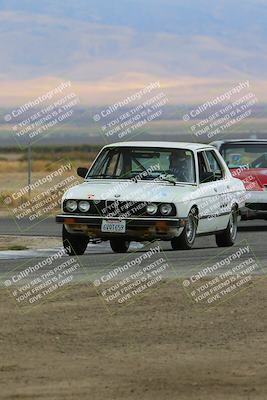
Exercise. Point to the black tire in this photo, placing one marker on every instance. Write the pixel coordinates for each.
(119, 245)
(187, 238)
(74, 244)
(228, 236)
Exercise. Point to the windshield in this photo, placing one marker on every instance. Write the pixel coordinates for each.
(249, 155)
(144, 163)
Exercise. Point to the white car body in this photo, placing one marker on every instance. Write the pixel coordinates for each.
(213, 201)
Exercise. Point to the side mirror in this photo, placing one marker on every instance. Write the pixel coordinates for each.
(82, 172)
(207, 177)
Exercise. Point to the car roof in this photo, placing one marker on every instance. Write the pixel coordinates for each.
(239, 141)
(176, 145)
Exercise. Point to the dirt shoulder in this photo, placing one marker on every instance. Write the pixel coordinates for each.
(160, 347)
(13, 242)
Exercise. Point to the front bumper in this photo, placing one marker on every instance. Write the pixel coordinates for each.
(136, 228)
(255, 206)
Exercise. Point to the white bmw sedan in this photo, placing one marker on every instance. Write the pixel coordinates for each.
(145, 191)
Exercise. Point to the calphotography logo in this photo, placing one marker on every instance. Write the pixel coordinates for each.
(42, 115)
(126, 119)
(217, 116)
(31, 204)
(123, 282)
(34, 282)
(222, 277)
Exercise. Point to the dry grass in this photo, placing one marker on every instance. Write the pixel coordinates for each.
(14, 168)
(27, 242)
(39, 165)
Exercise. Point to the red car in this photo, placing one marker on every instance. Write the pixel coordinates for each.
(247, 160)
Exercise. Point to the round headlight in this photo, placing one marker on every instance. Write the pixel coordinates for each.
(151, 208)
(84, 206)
(165, 209)
(71, 205)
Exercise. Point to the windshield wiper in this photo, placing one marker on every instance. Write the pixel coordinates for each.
(147, 177)
(100, 176)
(168, 178)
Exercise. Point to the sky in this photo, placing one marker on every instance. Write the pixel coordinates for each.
(108, 49)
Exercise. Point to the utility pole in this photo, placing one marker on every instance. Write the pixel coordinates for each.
(29, 168)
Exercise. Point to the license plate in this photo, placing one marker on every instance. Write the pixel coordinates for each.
(113, 226)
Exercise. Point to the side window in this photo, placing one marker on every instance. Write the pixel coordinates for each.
(202, 167)
(214, 164)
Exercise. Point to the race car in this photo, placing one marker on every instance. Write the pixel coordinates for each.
(146, 191)
(247, 161)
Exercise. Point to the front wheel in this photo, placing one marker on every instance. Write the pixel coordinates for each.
(119, 245)
(74, 244)
(187, 238)
(227, 237)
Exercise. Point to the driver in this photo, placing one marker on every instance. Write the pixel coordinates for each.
(180, 166)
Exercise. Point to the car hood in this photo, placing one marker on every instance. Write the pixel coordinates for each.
(253, 178)
(130, 191)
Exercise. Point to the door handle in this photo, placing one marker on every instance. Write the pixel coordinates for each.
(215, 190)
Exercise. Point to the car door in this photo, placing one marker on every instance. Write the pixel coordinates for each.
(207, 196)
(222, 189)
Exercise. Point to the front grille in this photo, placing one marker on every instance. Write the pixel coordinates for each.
(115, 209)
(122, 208)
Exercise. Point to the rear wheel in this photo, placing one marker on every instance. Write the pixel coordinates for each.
(74, 244)
(119, 245)
(187, 238)
(228, 236)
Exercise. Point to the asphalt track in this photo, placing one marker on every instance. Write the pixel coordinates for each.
(100, 257)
